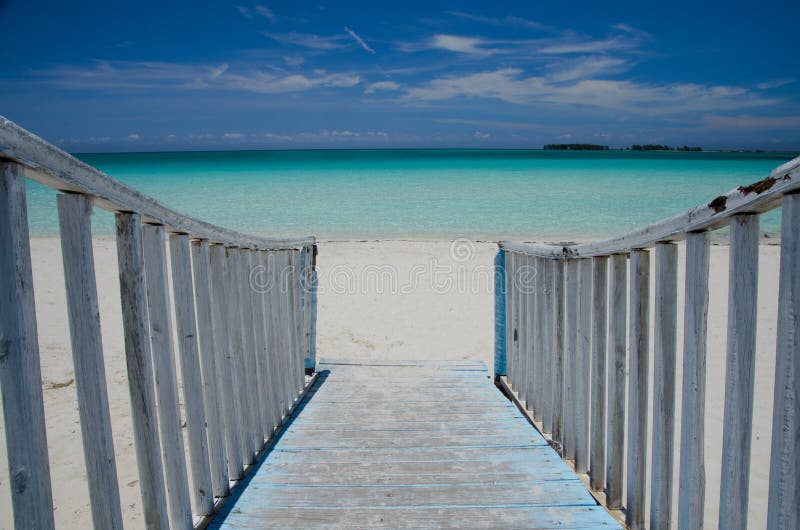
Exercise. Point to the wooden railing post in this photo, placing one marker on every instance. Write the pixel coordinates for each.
(312, 347)
(638, 344)
(570, 355)
(512, 319)
(268, 367)
(183, 293)
(210, 368)
(74, 211)
(784, 474)
(296, 321)
(249, 364)
(140, 370)
(548, 357)
(740, 368)
(169, 417)
(616, 382)
(260, 346)
(225, 362)
(540, 364)
(558, 352)
(692, 480)
(523, 333)
(500, 314)
(597, 455)
(666, 315)
(20, 371)
(583, 360)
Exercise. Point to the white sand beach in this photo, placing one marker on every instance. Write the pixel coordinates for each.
(378, 300)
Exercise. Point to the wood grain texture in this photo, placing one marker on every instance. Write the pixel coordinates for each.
(169, 417)
(524, 333)
(665, 335)
(616, 382)
(75, 227)
(739, 372)
(639, 348)
(361, 474)
(189, 355)
(56, 169)
(212, 385)
(256, 290)
(570, 403)
(583, 363)
(547, 309)
(20, 372)
(249, 352)
(597, 470)
(784, 488)
(558, 351)
(692, 480)
(140, 370)
(224, 361)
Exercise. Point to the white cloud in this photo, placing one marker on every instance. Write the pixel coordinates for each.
(266, 12)
(512, 86)
(467, 45)
(752, 122)
(308, 40)
(244, 11)
(359, 40)
(775, 83)
(233, 136)
(381, 86)
(504, 21)
(133, 137)
(481, 135)
(293, 60)
(266, 83)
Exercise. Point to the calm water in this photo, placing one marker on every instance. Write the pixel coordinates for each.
(537, 195)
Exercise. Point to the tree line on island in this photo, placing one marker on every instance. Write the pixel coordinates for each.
(635, 147)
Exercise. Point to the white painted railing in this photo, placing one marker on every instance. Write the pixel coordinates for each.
(561, 349)
(244, 310)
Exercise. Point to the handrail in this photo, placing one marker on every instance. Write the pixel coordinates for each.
(755, 198)
(49, 165)
(562, 353)
(245, 311)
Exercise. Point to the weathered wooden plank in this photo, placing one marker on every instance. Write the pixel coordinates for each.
(665, 316)
(739, 372)
(183, 294)
(253, 388)
(548, 372)
(297, 319)
(140, 370)
(75, 227)
(390, 439)
(524, 332)
(20, 372)
(169, 417)
(583, 360)
(616, 382)
(500, 357)
(260, 327)
(211, 389)
(571, 308)
(270, 366)
(558, 351)
(56, 169)
(236, 345)
(582, 518)
(639, 347)
(511, 322)
(307, 256)
(597, 470)
(224, 361)
(692, 486)
(275, 332)
(784, 479)
(538, 332)
(314, 304)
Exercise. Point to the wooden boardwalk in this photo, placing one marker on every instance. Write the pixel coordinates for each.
(410, 445)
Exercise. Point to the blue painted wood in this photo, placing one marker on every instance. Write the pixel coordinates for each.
(500, 313)
(410, 444)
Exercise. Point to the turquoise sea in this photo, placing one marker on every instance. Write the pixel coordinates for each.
(425, 194)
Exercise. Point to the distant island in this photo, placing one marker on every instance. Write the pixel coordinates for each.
(577, 147)
(635, 147)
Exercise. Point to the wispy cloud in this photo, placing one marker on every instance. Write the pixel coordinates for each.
(308, 40)
(504, 21)
(513, 86)
(244, 11)
(775, 83)
(381, 86)
(133, 137)
(751, 122)
(266, 12)
(514, 125)
(176, 76)
(359, 40)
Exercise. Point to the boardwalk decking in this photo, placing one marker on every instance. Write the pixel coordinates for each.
(410, 445)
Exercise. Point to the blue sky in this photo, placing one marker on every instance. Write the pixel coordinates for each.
(129, 76)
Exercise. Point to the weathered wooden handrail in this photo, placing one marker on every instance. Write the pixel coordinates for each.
(245, 311)
(580, 330)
